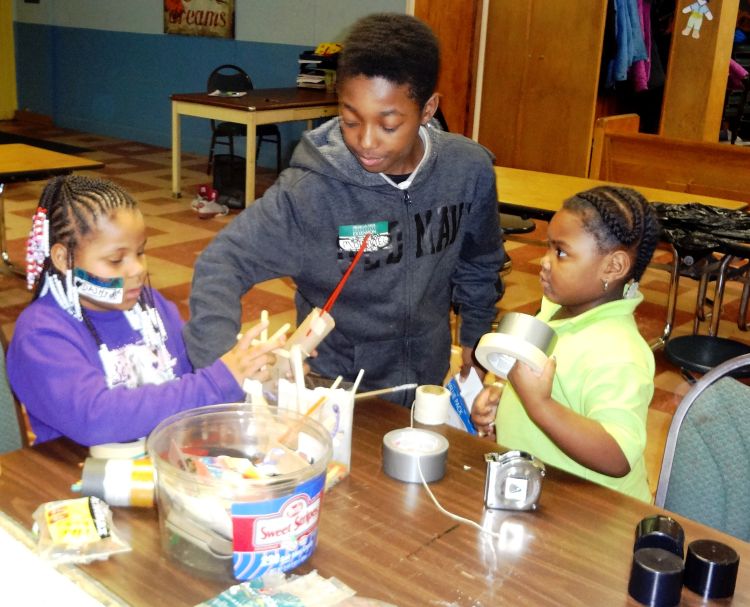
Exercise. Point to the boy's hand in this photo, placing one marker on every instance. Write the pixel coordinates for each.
(484, 409)
(246, 361)
(467, 362)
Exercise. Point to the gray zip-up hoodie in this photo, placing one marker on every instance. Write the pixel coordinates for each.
(434, 243)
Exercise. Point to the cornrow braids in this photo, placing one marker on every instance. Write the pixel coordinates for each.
(619, 217)
(73, 203)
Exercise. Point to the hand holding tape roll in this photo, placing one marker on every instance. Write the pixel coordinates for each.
(518, 337)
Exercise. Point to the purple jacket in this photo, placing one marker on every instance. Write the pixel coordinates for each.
(55, 371)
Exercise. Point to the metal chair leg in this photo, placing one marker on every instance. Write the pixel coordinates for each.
(674, 280)
(211, 154)
(742, 314)
(721, 279)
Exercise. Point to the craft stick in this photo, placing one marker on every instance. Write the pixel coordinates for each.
(297, 425)
(264, 318)
(279, 333)
(385, 391)
(299, 373)
(357, 380)
(316, 404)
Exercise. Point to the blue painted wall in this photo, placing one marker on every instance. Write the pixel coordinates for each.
(118, 84)
(93, 69)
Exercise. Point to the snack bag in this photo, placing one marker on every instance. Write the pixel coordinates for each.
(76, 531)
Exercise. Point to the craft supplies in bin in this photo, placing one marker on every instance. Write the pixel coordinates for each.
(333, 408)
(239, 488)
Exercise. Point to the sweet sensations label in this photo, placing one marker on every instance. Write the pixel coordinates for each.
(278, 534)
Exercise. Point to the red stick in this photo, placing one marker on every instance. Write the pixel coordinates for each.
(345, 277)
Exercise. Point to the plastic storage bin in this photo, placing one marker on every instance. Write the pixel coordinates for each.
(246, 522)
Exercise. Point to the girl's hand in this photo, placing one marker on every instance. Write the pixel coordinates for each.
(246, 361)
(484, 409)
(534, 390)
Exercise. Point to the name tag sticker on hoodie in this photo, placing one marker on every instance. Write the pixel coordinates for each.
(350, 237)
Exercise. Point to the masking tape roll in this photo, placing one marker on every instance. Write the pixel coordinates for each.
(403, 447)
(133, 449)
(431, 405)
(119, 482)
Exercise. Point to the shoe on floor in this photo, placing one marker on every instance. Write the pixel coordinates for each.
(206, 205)
(208, 209)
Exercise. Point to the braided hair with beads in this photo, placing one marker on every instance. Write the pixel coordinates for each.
(619, 217)
(70, 205)
(68, 211)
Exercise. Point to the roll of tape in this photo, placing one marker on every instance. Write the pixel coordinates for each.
(133, 449)
(119, 482)
(518, 337)
(431, 405)
(403, 448)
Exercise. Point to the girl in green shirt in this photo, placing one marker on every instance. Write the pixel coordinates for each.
(586, 412)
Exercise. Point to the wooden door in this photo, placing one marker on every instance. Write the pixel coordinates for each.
(456, 24)
(541, 75)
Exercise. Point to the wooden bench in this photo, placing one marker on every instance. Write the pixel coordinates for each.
(623, 155)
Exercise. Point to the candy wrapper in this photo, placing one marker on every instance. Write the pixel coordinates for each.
(76, 531)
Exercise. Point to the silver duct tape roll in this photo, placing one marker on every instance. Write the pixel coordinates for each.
(92, 479)
(518, 337)
(402, 449)
(119, 482)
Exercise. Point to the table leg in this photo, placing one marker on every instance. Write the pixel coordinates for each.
(250, 160)
(176, 153)
(3, 236)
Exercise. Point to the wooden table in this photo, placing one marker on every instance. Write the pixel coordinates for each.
(259, 106)
(387, 540)
(21, 162)
(539, 195)
(533, 194)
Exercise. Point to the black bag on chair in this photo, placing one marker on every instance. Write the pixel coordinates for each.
(229, 180)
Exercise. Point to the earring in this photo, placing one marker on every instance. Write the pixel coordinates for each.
(605, 284)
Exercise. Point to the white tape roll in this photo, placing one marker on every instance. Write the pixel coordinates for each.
(518, 337)
(403, 448)
(431, 405)
(498, 352)
(136, 448)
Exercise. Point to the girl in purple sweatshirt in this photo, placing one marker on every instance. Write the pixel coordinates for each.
(98, 356)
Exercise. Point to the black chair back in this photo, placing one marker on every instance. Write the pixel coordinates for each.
(229, 78)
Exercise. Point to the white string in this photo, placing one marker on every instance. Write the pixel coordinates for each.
(449, 514)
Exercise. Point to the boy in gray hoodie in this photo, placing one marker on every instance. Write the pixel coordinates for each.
(427, 199)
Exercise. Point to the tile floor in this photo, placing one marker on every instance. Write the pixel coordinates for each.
(177, 236)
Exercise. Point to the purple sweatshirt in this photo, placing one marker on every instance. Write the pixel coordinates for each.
(55, 371)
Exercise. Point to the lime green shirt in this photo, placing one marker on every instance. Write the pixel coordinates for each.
(605, 372)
